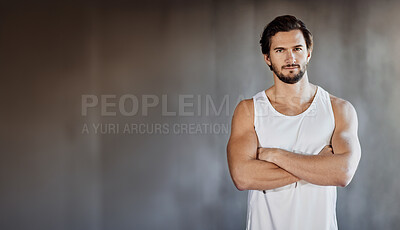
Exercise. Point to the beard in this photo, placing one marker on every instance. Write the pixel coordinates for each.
(289, 79)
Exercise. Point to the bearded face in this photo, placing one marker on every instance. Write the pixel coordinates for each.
(288, 56)
(295, 72)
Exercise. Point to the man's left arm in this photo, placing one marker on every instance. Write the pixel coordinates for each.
(325, 169)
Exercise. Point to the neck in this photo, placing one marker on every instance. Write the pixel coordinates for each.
(293, 94)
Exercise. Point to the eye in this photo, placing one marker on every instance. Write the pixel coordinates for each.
(278, 51)
(298, 49)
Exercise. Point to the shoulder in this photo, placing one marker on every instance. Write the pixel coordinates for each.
(343, 110)
(245, 108)
(243, 117)
(340, 105)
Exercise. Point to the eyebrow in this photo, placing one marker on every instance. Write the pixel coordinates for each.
(282, 48)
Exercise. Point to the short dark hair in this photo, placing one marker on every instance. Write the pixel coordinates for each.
(284, 23)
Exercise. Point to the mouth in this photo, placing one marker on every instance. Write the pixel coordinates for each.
(291, 67)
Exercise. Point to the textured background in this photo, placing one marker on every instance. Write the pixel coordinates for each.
(53, 176)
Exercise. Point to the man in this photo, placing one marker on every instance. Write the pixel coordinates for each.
(292, 144)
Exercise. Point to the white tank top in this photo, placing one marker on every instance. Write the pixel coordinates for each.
(300, 205)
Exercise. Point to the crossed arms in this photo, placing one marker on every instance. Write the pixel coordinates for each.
(253, 168)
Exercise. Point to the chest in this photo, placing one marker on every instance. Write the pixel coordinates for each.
(290, 110)
(307, 133)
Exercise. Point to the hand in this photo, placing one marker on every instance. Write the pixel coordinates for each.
(266, 154)
(327, 150)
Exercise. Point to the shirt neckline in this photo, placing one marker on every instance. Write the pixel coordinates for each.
(293, 116)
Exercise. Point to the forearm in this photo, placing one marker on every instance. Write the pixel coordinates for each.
(315, 169)
(261, 175)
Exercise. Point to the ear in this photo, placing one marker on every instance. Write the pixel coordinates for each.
(267, 59)
(309, 52)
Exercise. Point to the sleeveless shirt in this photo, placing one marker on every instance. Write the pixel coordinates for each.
(300, 205)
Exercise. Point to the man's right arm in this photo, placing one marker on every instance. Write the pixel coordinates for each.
(247, 171)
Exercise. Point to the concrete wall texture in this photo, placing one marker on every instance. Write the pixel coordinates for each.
(56, 175)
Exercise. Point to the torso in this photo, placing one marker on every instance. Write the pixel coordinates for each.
(304, 130)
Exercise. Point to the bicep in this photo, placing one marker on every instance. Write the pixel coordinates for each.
(345, 138)
(243, 140)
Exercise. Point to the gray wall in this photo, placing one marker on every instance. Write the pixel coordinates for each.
(54, 176)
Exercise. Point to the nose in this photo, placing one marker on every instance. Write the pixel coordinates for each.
(290, 58)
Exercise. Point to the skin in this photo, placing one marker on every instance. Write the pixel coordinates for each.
(254, 168)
